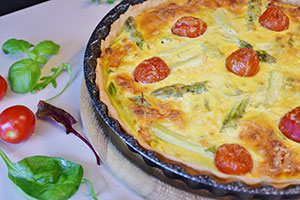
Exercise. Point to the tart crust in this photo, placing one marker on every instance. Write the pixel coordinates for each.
(116, 29)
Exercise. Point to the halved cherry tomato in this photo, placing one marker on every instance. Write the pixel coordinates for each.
(16, 124)
(189, 27)
(289, 124)
(274, 19)
(244, 62)
(151, 70)
(233, 159)
(3, 87)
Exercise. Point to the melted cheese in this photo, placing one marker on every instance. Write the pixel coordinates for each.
(193, 123)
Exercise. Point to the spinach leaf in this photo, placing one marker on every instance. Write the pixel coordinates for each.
(13, 46)
(23, 75)
(92, 191)
(45, 178)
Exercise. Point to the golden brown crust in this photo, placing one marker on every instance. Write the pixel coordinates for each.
(163, 15)
(291, 2)
(128, 84)
(278, 158)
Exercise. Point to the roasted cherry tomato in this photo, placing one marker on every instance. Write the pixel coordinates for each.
(3, 87)
(16, 124)
(274, 19)
(189, 27)
(151, 70)
(243, 62)
(233, 159)
(289, 125)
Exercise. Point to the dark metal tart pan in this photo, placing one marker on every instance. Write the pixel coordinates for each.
(148, 160)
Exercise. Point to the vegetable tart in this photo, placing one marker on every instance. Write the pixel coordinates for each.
(212, 85)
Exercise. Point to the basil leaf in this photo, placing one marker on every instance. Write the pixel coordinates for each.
(34, 55)
(44, 178)
(46, 48)
(23, 75)
(13, 46)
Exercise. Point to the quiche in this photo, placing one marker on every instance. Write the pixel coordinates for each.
(213, 85)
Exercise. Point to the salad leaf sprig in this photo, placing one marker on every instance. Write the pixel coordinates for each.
(24, 75)
(43, 177)
(52, 79)
(64, 119)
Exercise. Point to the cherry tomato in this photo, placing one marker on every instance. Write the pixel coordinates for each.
(289, 124)
(16, 124)
(274, 19)
(151, 70)
(244, 62)
(189, 27)
(3, 87)
(233, 159)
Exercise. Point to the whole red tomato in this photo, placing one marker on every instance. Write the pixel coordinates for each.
(289, 124)
(3, 87)
(243, 62)
(16, 124)
(151, 70)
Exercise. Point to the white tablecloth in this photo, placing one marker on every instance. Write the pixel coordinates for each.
(70, 24)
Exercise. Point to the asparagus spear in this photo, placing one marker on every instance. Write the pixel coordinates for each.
(244, 44)
(178, 90)
(275, 83)
(225, 23)
(236, 112)
(263, 56)
(254, 11)
(211, 49)
(176, 139)
(136, 36)
(139, 100)
(112, 90)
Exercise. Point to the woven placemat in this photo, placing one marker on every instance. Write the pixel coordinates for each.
(140, 180)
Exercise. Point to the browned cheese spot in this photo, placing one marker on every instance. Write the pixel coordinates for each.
(278, 158)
